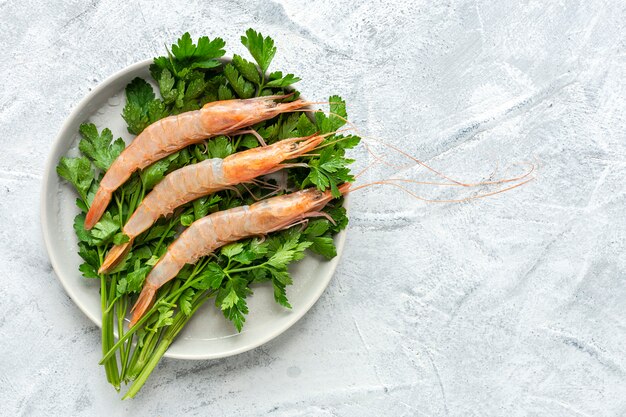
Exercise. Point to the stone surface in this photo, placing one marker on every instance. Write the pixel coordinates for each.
(511, 305)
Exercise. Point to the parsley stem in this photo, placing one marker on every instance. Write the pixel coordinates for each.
(119, 202)
(108, 353)
(111, 328)
(164, 300)
(261, 84)
(172, 224)
(149, 366)
(135, 200)
(124, 350)
(247, 268)
(131, 365)
(145, 352)
(111, 305)
(110, 365)
(172, 331)
(120, 309)
(127, 362)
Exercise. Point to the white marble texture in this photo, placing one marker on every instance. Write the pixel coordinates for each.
(508, 306)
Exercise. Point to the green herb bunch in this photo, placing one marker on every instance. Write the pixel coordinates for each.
(190, 76)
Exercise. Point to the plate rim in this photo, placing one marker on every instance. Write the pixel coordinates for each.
(57, 148)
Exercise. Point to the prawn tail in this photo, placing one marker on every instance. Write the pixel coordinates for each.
(97, 208)
(115, 255)
(143, 304)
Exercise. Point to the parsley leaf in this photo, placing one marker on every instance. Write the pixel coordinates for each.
(243, 88)
(165, 318)
(120, 238)
(277, 79)
(187, 219)
(232, 249)
(82, 234)
(291, 249)
(166, 87)
(208, 50)
(184, 48)
(89, 254)
(153, 174)
(141, 108)
(211, 276)
(211, 88)
(338, 213)
(247, 69)
(219, 147)
(139, 93)
(185, 301)
(305, 127)
(317, 227)
(99, 147)
(237, 313)
(133, 281)
(335, 120)
(136, 278)
(324, 245)
(203, 205)
(259, 247)
(224, 93)
(195, 86)
(329, 171)
(204, 54)
(248, 141)
(262, 49)
(78, 172)
(143, 252)
(288, 126)
(88, 270)
(155, 232)
(105, 229)
(231, 299)
(245, 257)
(280, 293)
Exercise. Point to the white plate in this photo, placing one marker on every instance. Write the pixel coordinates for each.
(208, 335)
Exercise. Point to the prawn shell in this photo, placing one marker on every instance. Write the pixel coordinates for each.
(177, 188)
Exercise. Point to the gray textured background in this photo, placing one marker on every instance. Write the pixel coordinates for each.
(507, 306)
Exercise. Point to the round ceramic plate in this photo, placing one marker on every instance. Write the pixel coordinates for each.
(208, 334)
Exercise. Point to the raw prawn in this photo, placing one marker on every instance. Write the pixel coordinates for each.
(197, 180)
(209, 233)
(173, 133)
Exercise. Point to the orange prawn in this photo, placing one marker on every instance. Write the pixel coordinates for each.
(209, 233)
(206, 235)
(212, 175)
(173, 133)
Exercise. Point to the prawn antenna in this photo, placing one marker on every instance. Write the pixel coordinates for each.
(394, 183)
(516, 181)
